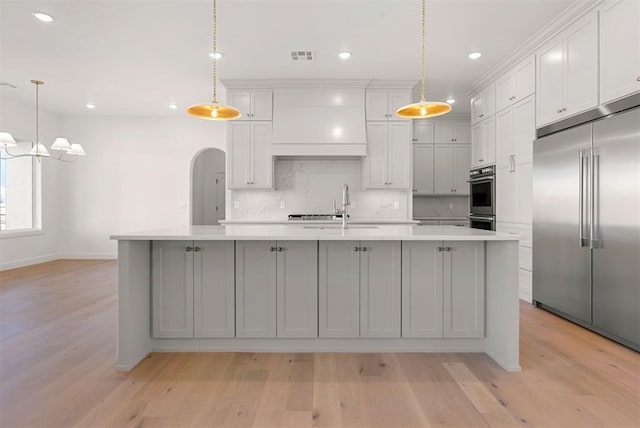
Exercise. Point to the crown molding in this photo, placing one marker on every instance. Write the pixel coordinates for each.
(294, 83)
(575, 11)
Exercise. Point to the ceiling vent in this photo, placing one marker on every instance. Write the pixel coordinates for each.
(302, 55)
(8, 85)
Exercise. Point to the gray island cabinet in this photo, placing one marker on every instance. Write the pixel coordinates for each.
(277, 288)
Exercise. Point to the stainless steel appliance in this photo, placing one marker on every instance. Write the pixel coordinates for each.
(586, 224)
(482, 188)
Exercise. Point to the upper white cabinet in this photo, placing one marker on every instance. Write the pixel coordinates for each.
(483, 136)
(483, 105)
(447, 132)
(387, 164)
(423, 163)
(250, 163)
(619, 49)
(517, 84)
(382, 104)
(422, 132)
(567, 72)
(254, 105)
(451, 169)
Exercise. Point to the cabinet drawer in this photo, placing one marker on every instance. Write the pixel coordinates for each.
(526, 258)
(525, 288)
(524, 230)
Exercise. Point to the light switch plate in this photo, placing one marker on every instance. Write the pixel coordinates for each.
(283, 204)
(236, 204)
(396, 205)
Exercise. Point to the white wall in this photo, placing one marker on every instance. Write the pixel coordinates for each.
(135, 177)
(15, 251)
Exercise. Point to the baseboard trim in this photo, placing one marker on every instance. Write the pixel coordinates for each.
(15, 264)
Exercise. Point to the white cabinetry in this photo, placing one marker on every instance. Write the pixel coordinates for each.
(619, 49)
(452, 132)
(451, 169)
(422, 132)
(567, 72)
(483, 136)
(483, 105)
(443, 289)
(359, 289)
(387, 164)
(517, 84)
(525, 255)
(382, 104)
(276, 289)
(192, 289)
(249, 155)
(254, 105)
(423, 156)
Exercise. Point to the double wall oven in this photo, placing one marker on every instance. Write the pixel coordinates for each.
(482, 188)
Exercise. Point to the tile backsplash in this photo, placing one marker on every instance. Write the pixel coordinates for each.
(440, 206)
(309, 186)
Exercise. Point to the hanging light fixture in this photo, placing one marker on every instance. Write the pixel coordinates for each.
(214, 111)
(423, 109)
(39, 150)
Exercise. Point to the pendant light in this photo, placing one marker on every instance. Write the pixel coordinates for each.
(39, 150)
(423, 109)
(214, 111)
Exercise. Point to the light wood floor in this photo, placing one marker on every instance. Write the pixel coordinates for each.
(57, 351)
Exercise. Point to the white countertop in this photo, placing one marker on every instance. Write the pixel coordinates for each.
(309, 232)
(305, 222)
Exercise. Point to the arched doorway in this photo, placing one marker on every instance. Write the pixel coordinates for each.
(208, 187)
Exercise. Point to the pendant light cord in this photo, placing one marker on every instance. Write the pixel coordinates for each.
(423, 46)
(215, 51)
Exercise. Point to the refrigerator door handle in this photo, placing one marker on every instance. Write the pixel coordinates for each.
(594, 241)
(581, 239)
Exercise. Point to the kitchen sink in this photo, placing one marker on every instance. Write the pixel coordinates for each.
(338, 226)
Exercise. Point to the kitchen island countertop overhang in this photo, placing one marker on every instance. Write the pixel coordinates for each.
(495, 263)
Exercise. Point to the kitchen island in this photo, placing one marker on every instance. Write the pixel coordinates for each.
(318, 288)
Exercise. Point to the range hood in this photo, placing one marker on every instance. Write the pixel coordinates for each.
(319, 121)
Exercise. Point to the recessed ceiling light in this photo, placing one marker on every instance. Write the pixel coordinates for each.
(216, 55)
(475, 55)
(43, 16)
(451, 101)
(344, 55)
(90, 106)
(173, 106)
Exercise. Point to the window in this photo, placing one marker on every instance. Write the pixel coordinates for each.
(19, 190)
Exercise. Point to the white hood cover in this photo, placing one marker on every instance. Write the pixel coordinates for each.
(325, 121)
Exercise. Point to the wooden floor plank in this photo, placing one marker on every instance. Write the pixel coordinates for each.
(57, 353)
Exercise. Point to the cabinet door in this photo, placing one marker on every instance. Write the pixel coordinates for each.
(443, 133)
(525, 79)
(213, 289)
(241, 100)
(172, 289)
(581, 65)
(422, 280)
(443, 176)
(489, 134)
(524, 192)
(524, 129)
(255, 289)
(462, 133)
(376, 104)
(375, 164)
(399, 155)
(619, 49)
(423, 169)
(380, 282)
(477, 108)
(461, 165)
(477, 144)
(463, 289)
(549, 87)
(339, 289)
(396, 99)
(505, 144)
(261, 105)
(505, 90)
(422, 132)
(261, 159)
(239, 155)
(506, 195)
(297, 288)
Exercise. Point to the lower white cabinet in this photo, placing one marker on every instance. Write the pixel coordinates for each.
(192, 289)
(525, 255)
(276, 289)
(443, 289)
(359, 289)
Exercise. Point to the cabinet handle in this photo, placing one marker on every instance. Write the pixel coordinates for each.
(415, 190)
(638, 79)
(196, 249)
(564, 109)
(480, 160)
(272, 249)
(248, 115)
(363, 249)
(356, 249)
(188, 249)
(280, 249)
(481, 115)
(439, 249)
(447, 249)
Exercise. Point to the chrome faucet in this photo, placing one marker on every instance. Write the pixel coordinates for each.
(345, 203)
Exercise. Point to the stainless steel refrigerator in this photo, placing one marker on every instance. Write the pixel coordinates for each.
(586, 225)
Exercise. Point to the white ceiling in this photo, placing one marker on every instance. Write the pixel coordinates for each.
(135, 57)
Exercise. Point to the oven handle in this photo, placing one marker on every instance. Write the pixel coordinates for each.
(478, 180)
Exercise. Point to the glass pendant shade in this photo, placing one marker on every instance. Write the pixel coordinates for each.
(39, 150)
(76, 149)
(213, 112)
(61, 144)
(423, 109)
(7, 140)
